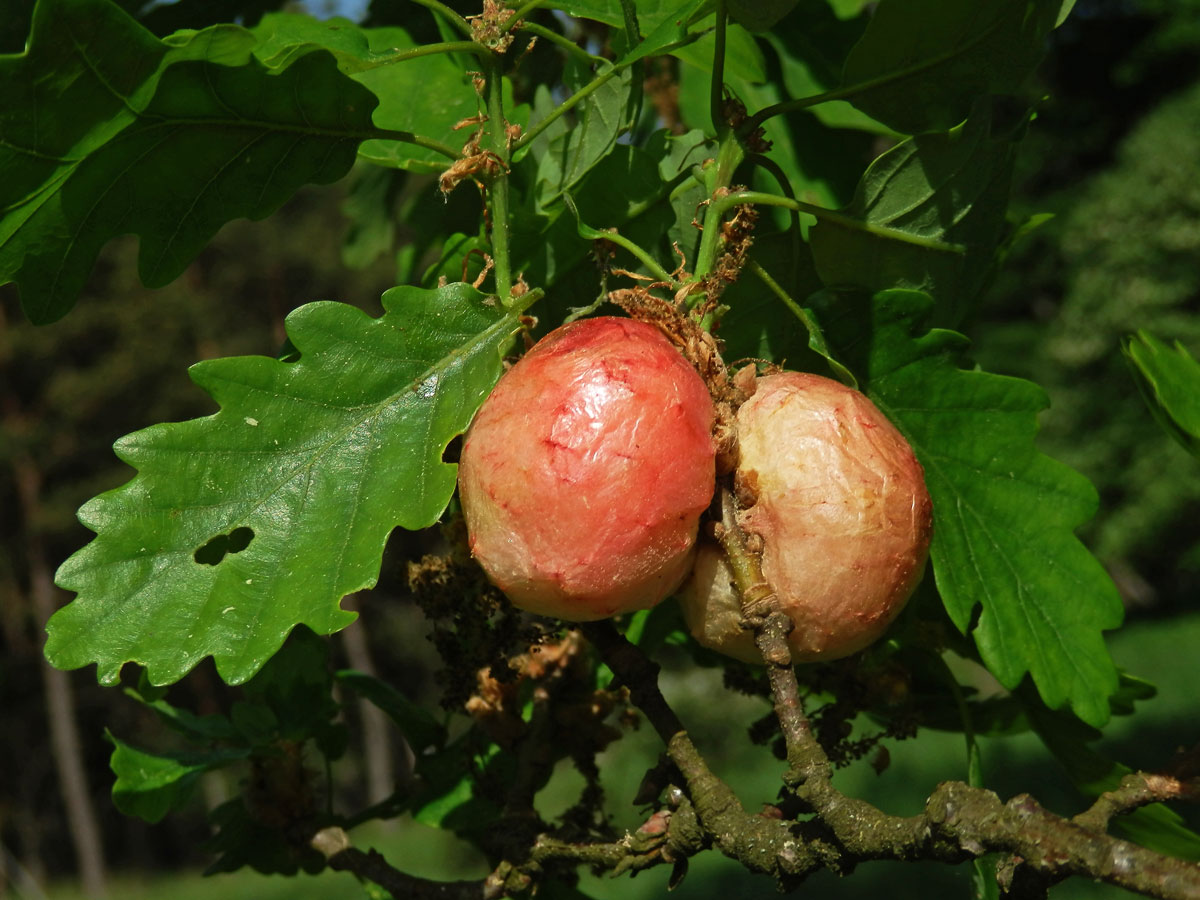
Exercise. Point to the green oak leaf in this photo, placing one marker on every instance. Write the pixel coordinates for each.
(72, 63)
(920, 64)
(283, 37)
(928, 214)
(1170, 382)
(213, 727)
(547, 244)
(822, 164)
(1007, 563)
(429, 96)
(761, 324)
(666, 22)
(426, 95)
(811, 48)
(163, 142)
(293, 692)
(312, 462)
(743, 57)
(566, 152)
(150, 785)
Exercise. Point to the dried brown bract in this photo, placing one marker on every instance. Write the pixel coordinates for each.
(488, 27)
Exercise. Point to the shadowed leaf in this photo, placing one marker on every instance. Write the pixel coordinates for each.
(168, 141)
(1004, 551)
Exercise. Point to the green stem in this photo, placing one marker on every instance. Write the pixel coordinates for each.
(521, 147)
(716, 96)
(387, 59)
(521, 13)
(498, 191)
(566, 43)
(729, 157)
(646, 259)
(785, 187)
(786, 106)
(448, 14)
(408, 137)
(816, 339)
(774, 287)
(723, 204)
(633, 34)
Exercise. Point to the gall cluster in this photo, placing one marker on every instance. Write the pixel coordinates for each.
(586, 473)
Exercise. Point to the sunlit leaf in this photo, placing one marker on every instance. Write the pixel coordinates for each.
(811, 48)
(743, 57)
(427, 95)
(317, 459)
(570, 148)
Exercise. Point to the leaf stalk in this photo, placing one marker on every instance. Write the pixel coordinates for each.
(498, 190)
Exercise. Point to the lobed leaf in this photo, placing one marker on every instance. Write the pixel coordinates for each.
(164, 140)
(811, 49)
(197, 728)
(921, 64)
(666, 23)
(311, 462)
(928, 214)
(1007, 563)
(566, 152)
(284, 37)
(425, 95)
(547, 245)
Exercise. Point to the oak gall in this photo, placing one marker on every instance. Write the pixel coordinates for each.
(585, 472)
(838, 500)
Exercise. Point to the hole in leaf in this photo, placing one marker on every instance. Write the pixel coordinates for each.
(216, 549)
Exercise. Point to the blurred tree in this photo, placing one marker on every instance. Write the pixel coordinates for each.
(66, 393)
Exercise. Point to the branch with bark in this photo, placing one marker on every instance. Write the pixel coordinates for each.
(826, 829)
